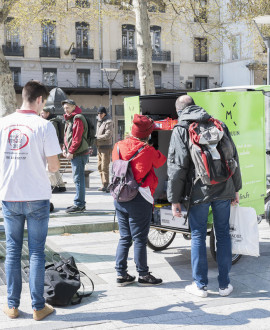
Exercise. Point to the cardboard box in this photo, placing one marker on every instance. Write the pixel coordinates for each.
(168, 220)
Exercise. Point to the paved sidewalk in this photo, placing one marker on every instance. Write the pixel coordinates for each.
(164, 307)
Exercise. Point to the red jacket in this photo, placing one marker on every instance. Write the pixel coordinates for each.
(77, 131)
(148, 159)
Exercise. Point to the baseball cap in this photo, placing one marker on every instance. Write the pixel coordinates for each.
(68, 101)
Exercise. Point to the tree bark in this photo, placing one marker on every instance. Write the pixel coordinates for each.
(7, 92)
(144, 49)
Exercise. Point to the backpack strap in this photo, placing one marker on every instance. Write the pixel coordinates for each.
(132, 157)
(83, 295)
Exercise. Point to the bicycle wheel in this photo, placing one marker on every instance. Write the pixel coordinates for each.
(159, 240)
(235, 257)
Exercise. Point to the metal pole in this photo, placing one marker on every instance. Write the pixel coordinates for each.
(267, 43)
(110, 96)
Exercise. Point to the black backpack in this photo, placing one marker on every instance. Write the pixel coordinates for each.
(62, 282)
(90, 138)
(123, 186)
(61, 128)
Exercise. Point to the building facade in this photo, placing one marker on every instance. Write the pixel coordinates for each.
(70, 54)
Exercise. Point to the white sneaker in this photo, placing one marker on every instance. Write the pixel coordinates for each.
(193, 289)
(225, 292)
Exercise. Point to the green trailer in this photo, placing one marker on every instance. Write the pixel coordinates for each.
(246, 112)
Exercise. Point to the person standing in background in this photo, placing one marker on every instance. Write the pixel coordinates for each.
(57, 182)
(104, 135)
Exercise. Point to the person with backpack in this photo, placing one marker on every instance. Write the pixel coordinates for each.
(104, 135)
(57, 183)
(187, 182)
(134, 216)
(76, 149)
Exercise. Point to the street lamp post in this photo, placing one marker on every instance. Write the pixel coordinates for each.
(262, 20)
(110, 75)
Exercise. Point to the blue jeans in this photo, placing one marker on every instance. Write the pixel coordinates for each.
(134, 219)
(37, 215)
(78, 164)
(198, 215)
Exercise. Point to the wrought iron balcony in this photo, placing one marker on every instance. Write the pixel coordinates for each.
(126, 54)
(131, 54)
(161, 56)
(49, 52)
(13, 50)
(85, 53)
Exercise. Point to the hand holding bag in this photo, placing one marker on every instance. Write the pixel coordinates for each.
(244, 231)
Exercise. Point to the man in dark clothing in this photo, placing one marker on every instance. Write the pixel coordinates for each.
(77, 150)
(181, 173)
(55, 178)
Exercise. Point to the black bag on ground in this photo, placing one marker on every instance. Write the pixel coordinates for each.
(62, 282)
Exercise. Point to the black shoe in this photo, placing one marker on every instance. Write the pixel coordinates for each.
(55, 190)
(101, 189)
(149, 280)
(75, 209)
(62, 189)
(123, 281)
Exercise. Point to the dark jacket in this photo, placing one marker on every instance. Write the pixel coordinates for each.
(54, 120)
(104, 133)
(181, 169)
(76, 128)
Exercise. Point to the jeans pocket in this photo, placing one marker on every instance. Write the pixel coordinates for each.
(39, 208)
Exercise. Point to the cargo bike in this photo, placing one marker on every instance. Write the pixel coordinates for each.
(245, 110)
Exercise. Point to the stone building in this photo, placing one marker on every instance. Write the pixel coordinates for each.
(71, 55)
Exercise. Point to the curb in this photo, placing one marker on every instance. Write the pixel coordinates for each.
(74, 229)
(82, 214)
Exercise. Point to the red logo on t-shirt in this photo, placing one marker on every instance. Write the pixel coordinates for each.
(17, 139)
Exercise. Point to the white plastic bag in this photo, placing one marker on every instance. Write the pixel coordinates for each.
(244, 231)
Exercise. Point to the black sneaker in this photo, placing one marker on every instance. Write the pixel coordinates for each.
(75, 209)
(123, 281)
(149, 280)
(62, 189)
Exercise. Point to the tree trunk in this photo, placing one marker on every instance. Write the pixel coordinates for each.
(7, 92)
(144, 49)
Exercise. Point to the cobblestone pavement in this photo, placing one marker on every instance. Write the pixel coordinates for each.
(164, 307)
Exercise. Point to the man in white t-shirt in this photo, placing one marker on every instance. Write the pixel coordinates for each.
(27, 143)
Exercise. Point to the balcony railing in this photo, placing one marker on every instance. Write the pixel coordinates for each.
(49, 52)
(13, 50)
(85, 53)
(131, 54)
(126, 54)
(161, 56)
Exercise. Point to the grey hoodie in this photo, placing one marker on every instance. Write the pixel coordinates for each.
(181, 168)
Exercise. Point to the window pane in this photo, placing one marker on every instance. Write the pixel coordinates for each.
(82, 35)
(200, 49)
(48, 34)
(157, 78)
(16, 75)
(83, 78)
(12, 34)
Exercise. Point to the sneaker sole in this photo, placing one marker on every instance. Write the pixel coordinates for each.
(149, 284)
(70, 212)
(198, 295)
(125, 283)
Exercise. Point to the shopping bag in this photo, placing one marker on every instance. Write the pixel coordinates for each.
(244, 231)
